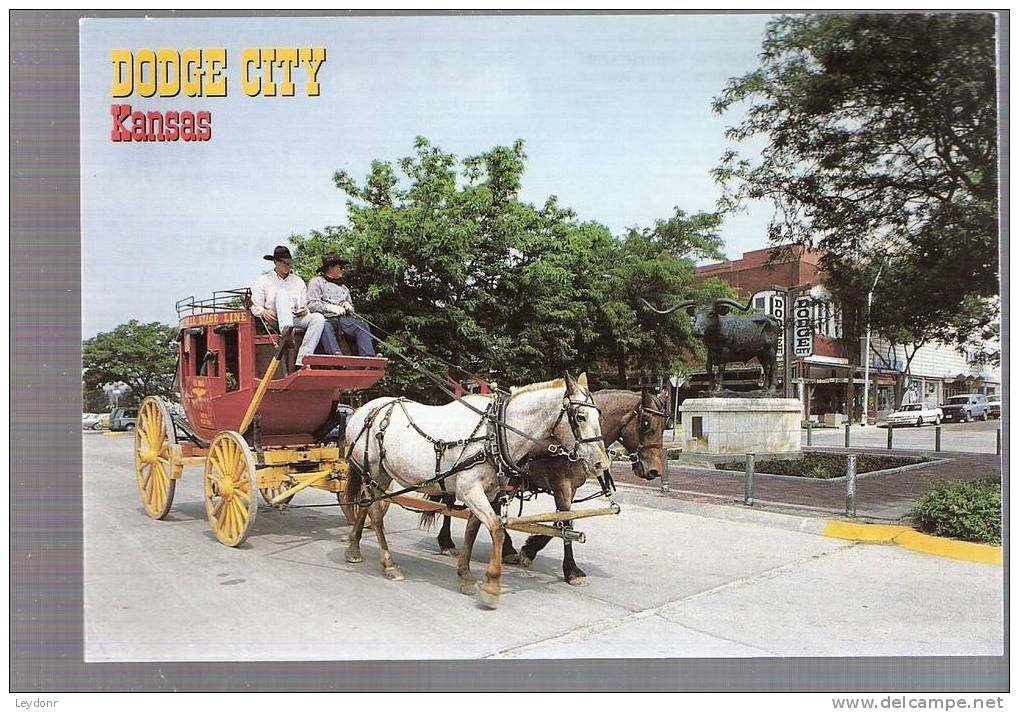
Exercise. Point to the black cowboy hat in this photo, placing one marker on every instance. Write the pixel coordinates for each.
(330, 260)
(282, 252)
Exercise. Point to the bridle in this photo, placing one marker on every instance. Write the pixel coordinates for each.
(574, 416)
(638, 413)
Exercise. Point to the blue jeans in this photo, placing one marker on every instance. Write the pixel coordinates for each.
(328, 341)
(357, 329)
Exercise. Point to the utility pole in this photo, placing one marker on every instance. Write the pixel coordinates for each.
(866, 352)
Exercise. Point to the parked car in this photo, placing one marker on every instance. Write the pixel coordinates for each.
(994, 408)
(915, 414)
(123, 419)
(965, 408)
(91, 421)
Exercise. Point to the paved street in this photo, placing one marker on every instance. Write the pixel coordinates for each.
(955, 437)
(666, 578)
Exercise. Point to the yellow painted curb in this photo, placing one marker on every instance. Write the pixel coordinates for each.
(863, 532)
(915, 541)
(115, 433)
(950, 548)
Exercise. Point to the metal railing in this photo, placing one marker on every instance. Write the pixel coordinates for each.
(222, 300)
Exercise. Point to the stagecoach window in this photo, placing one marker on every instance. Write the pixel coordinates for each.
(199, 347)
(232, 360)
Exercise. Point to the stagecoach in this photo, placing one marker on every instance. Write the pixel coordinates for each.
(255, 420)
(259, 424)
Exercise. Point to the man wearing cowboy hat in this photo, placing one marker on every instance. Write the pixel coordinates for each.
(328, 296)
(278, 297)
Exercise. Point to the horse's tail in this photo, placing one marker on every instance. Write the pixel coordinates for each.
(427, 519)
(352, 490)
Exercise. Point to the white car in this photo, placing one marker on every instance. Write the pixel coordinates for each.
(90, 421)
(916, 414)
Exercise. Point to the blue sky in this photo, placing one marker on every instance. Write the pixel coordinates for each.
(615, 112)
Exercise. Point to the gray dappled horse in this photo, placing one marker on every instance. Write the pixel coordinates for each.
(634, 419)
(398, 439)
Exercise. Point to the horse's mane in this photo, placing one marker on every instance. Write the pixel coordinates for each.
(554, 383)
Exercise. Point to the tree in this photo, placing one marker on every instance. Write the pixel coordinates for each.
(441, 252)
(93, 400)
(143, 356)
(881, 148)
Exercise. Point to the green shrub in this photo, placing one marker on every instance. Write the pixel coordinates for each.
(962, 510)
(823, 465)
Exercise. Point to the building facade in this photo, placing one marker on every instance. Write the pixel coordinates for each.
(937, 371)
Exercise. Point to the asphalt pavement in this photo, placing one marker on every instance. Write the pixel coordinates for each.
(665, 578)
(977, 436)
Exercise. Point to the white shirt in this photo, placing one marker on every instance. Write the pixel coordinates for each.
(263, 291)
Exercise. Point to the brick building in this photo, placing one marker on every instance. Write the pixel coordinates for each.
(937, 371)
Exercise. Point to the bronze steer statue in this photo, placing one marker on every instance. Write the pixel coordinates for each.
(732, 337)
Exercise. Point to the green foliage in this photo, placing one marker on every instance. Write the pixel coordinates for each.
(882, 151)
(93, 400)
(143, 356)
(962, 510)
(824, 466)
(442, 252)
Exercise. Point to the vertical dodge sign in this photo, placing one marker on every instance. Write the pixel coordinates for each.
(803, 329)
(803, 345)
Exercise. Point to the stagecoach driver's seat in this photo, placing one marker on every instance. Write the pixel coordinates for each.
(278, 298)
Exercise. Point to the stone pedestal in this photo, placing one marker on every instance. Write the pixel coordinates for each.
(736, 426)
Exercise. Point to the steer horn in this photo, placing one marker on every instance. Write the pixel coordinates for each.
(684, 303)
(733, 303)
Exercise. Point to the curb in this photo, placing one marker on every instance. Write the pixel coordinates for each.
(115, 433)
(913, 540)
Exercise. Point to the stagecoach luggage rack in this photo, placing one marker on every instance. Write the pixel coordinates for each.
(222, 300)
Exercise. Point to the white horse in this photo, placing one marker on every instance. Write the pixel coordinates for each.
(413, 443)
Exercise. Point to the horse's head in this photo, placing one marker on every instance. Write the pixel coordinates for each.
(580, 430)
(642, 435)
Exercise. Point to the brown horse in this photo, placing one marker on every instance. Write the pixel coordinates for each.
(635, 419)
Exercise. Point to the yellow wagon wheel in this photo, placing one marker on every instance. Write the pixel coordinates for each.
(157, 462)
(230, 500)
(270, 493)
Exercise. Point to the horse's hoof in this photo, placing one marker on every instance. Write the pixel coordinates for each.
(449, 552)
(577, 580)
(513, 558)
(353, 557)
(468, 588)
(393, 573)
(488, 598)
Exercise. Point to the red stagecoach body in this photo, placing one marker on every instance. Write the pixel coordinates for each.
(223, 357)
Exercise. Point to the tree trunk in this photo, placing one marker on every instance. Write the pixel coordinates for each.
(621, 368)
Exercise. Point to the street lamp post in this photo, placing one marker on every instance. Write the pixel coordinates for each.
(866, 354)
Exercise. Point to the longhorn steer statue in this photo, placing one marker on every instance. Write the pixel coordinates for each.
(732, 337)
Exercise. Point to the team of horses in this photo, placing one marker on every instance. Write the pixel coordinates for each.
(554, 434)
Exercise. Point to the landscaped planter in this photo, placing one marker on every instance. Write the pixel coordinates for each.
(824, 466)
